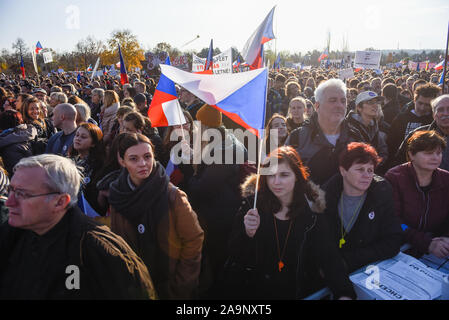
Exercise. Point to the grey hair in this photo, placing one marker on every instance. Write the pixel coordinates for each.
(434, 103)
(331, 83)
(60, 96)
(99, 92)
(83, 111)
(62, 173)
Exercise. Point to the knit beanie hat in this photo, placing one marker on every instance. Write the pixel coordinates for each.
(209, 116)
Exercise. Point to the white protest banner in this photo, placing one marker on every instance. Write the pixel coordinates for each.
(422, 65)
(367, 59)
(222, 62)
(346, 74)
(47, 57)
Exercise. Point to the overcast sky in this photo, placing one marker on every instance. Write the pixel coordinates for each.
(298, 25)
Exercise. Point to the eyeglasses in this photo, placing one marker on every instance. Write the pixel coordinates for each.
(22, 195)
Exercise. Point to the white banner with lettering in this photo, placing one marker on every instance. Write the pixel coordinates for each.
(367, 59)
(222, 62)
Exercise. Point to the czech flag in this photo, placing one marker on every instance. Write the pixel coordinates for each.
(324, 55)
(89, 68)
(240, 96)
(175, 174)
(38, 47)
(123, 74)
(209, 65)
(236, 64)
(253, 46)
(440, 66)
(259, 62)
(86, 208)
(165, 109)
(22, 67)
(441, 78)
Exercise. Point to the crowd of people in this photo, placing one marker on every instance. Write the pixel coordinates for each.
(87, 181)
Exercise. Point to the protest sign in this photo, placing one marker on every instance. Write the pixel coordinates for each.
(422, 65)
(222, 62)
(154, 59)
(346, 74)
(367, 59)
(181, 62)
(47, 57)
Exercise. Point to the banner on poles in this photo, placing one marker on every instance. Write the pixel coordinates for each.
(367, 59)
(222, 62)
(422, 65)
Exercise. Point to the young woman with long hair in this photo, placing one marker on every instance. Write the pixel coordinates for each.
(284, 239)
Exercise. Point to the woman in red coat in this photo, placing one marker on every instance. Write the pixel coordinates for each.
(421, 195)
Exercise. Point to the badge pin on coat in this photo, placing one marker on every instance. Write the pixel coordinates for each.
(141, 228)
(371, 215)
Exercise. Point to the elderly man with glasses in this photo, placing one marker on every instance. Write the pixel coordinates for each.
(50, 250)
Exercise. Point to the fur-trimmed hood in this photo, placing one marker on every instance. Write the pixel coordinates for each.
(248, 188)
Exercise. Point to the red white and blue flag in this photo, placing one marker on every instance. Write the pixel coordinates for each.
(209, 65)
(236, 63)
(38, 47)
(165, 109)
(252, 50)
(22, 67)
(175, 174)
(259, 62)
(324, 55)
(123, 74)
(440, 66)
(89, 68)
(239, 96)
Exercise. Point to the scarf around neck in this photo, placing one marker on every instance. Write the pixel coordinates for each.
(147, 203)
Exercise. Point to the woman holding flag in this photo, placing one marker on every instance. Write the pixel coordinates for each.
(284, 238)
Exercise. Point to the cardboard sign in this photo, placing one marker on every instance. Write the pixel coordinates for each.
(346, 74)
(367, 59)
(222, 62)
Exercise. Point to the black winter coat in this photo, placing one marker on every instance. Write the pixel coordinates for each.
(309, 251)
(35, 267)
(376, 234)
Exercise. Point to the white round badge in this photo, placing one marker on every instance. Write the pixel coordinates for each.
(371, 215)
(141, 228)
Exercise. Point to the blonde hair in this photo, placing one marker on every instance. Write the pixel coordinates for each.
(110, 97)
